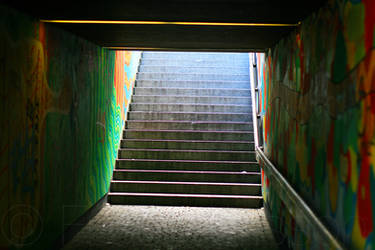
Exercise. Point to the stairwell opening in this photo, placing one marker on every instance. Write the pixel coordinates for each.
(189, 138)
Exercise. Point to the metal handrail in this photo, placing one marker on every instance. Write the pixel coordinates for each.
(253, 101)
(304, 216)
(302, 213)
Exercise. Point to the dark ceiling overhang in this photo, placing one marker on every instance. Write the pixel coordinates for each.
(177, 37)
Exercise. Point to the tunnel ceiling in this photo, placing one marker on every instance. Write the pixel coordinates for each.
(185, 37)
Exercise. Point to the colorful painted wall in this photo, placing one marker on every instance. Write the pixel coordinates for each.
(318, 110)
(62, 110)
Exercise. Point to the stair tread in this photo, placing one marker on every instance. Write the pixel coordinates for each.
(222, 89)
(173, 73)
(187, 172)
(187, 150)
(182, 141)
(197, 67)
(190, 104)
(192, 122)
(186, 195)
(189, 125)
(198, 96)
(174, 112)
(190, 183)
(189, 130)
(176, 61)
(199, 81)
(189, 161)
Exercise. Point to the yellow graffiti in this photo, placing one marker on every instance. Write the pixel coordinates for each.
(344, 169)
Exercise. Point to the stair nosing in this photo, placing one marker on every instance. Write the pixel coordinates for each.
(197, 96)
(205, 67)
(187, 172)
(187, 150)
(190, 183)
(190, 104)
(187, 161)
(183, 141)
(190, 131)
(192, 122)
(198, 81)
(169, 112)
(238, 89)
(156, 72)
(185, 195)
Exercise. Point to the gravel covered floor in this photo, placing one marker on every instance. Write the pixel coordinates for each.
(162, 227)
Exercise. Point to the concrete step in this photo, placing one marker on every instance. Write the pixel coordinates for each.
(199, 200)
(194, 55)
(175, 154)
(191, 77)
(194, 70)
(170, 107)
(194, 165)
(188, 135)
(187, 144)
(197, 116)
(239, 100)
(209, 62)
(193, 84)
(186, 176)
(189, 125)
(186, 187)
(191, 92)
(188, 138)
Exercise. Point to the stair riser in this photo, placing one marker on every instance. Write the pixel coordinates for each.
(194, 84)
(179, 201)
(191, 99)
(189, 166)
(187, 135)
(185, 189)
(175, 155)
(187, 145)
(147, 176)
(195, 56)
(191, 92)
(190, 77)
(189, 116)
(189, 126)
(194, 70)
(196, 63)
(190, 108)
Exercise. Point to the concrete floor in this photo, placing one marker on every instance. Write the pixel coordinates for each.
(162, 227)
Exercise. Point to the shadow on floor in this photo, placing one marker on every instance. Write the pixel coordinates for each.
(163, 227)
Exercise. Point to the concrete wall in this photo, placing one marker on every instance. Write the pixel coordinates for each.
(318, 111)
(62, 110)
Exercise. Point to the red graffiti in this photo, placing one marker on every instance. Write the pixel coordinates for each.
(369, 23)
(364, 196)
(364, 205)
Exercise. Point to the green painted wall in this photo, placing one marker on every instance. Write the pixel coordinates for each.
(63, 106)
(318, 110)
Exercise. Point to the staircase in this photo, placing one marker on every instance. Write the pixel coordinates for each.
(188, 139)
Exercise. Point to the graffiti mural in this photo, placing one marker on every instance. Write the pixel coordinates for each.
(318, 109)
(63, 106)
